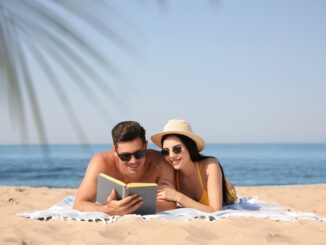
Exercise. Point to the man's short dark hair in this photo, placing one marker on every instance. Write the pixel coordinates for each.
(127, 131)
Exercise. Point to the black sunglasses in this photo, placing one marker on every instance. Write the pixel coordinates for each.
(127, 156)
(176, 149)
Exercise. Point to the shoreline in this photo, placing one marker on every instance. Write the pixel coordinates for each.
(50, 187)
(132, 230)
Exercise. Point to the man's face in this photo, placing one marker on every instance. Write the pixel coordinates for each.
(132, 156)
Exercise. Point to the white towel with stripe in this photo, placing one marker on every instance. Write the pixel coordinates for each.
(243, 207)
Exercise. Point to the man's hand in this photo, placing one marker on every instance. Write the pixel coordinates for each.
(125, 206)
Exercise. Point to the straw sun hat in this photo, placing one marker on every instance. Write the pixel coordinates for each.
(175, 126)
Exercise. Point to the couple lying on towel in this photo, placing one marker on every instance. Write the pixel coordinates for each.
(183, 175)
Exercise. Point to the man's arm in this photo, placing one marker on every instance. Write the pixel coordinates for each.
(86, 194)
(166, 174)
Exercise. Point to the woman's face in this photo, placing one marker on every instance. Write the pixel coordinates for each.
(177, 153)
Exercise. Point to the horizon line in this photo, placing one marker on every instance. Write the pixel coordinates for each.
(207, 143)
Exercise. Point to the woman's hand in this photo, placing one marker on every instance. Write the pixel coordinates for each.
(167, 191)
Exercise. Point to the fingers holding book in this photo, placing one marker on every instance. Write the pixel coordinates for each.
(125, 206)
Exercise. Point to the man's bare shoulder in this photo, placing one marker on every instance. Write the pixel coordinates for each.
(103, 160)
(154, 156)
(157, 160)
(160, 168)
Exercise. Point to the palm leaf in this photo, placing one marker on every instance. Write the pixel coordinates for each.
(45, 29)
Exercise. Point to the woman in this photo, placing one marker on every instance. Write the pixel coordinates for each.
(199, 179)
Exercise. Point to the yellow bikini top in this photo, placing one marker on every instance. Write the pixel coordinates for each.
(204, 196)
(232, 195)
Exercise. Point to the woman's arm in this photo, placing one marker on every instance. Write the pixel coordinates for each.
(214, 184)
(166, 192)
(214, 189)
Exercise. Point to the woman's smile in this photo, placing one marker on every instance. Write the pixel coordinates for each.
(175, 161)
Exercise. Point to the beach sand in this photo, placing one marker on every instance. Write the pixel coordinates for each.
(131, 230)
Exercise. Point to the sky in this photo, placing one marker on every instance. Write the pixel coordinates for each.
(237, 71)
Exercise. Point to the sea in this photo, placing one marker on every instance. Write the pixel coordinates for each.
(63, 166)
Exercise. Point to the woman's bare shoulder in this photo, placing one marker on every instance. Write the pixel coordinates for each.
(209, 161)
(210, 164)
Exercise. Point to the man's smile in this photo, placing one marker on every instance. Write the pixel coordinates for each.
(133, 165)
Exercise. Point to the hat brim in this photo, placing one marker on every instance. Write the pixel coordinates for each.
(157, 138)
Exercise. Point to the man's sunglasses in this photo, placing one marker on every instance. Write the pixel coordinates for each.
(176, 149)
(127, 156)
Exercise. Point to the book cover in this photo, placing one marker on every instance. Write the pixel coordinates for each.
(148, 192)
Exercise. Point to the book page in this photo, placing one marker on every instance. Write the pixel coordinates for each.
(105, 186)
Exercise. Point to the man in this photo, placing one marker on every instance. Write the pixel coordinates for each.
(128, 161)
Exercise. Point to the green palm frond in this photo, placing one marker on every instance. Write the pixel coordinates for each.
(49, 30)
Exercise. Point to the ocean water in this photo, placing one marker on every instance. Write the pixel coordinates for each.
(244, 164)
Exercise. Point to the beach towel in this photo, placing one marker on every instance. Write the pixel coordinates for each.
(243, 207)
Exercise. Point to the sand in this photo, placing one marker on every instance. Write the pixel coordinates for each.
(131, 230)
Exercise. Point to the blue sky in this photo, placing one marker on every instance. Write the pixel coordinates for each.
(238, 71)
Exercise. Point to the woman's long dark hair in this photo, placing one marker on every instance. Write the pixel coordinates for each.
(196, 156)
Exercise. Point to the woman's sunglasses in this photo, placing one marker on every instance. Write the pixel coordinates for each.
(176, 149)
(127, 156)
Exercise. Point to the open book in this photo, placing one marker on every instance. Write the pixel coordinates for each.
(148, 192)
